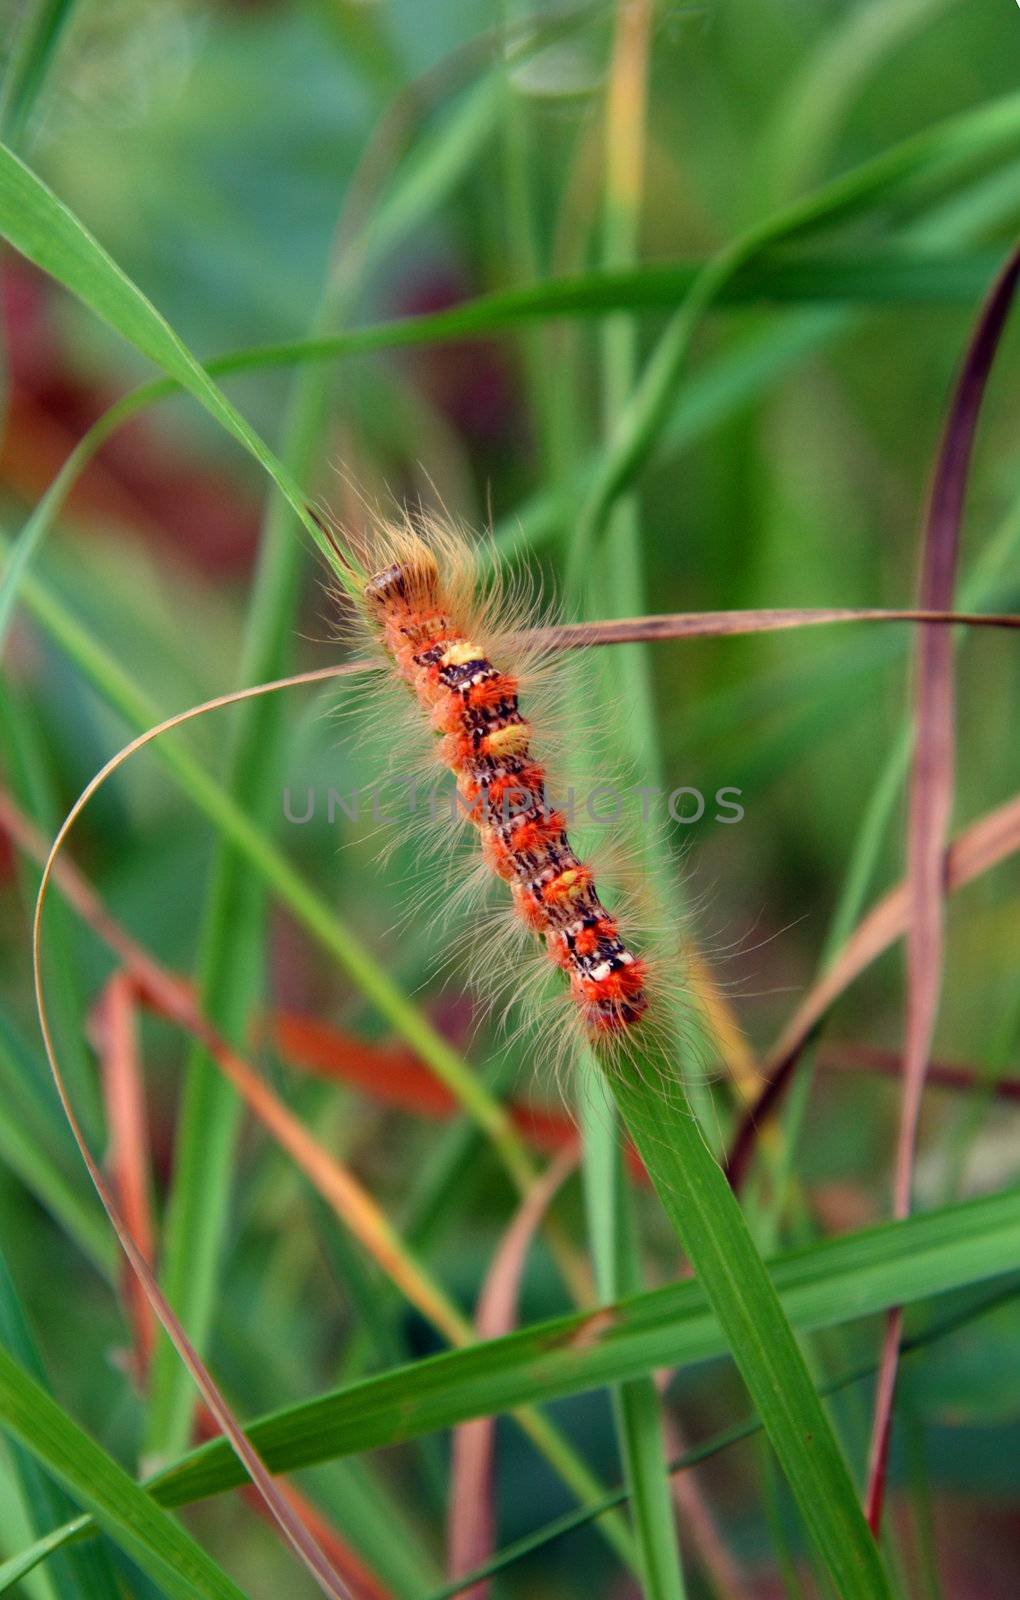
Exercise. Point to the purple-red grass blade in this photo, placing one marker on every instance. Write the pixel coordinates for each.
(931, 797)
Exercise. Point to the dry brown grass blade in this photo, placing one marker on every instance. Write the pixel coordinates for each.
(173, 999)
(731, 624)
(364, 1583)
(115, 1029)
(391, 1074)
(470, 1523)
(290, 1525)
(114, 1023)
(982, 846)
(931, 797)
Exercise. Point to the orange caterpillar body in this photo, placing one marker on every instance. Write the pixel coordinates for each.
(486, 744)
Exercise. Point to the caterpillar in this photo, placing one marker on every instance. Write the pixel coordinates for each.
(422, 607)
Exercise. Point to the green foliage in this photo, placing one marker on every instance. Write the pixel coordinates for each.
(391, 249)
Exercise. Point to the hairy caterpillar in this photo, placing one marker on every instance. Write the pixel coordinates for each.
(456, 644)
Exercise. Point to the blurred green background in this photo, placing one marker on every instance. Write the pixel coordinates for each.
(236, 158)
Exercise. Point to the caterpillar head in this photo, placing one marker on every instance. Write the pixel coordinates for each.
(411, 583)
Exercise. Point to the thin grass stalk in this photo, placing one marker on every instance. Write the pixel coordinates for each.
(611, 1223)
(891, 173)
(352, 1204)
(521, 242)
(232, 940)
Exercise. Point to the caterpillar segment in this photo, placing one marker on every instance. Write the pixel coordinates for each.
(486, 744)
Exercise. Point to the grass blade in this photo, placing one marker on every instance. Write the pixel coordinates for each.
(930, 157)
(820, 1286)
(931, 796)
(723, 1441)
(125, 1511)
(80, 1575)
(31, 57)
(47, 232)
(710, 1225)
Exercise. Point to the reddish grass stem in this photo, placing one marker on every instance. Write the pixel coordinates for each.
(931, 800)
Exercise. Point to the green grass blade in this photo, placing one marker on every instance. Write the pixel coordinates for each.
(813, 107)
(612, 1224)
(79, 1574)
(636, 1404)
(820, 1286)
(26, 1151)
(930, 1335)
(47, 232)
(927, 159)
(31, 57)
(30, 783)
(126, 1512)
(19, 1566)
(711, 1227)
(881, 277)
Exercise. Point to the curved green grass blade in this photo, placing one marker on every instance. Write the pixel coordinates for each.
(17, 1567)
(820, 1286)
(126, 1512)
(907, 170)
(45, 231)
(825, 1284)
(889, 276)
